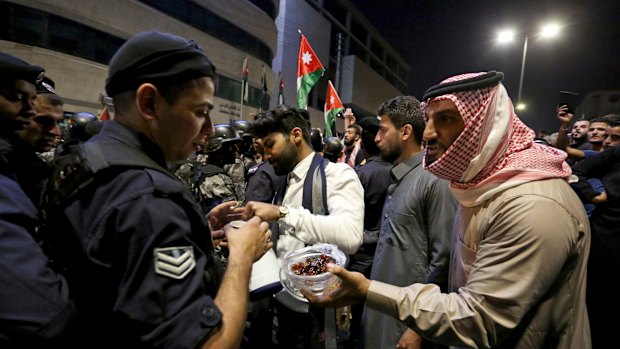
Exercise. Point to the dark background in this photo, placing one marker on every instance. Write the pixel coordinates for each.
(441, 38)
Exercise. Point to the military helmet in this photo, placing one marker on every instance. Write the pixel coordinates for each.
(332, 148)
(82, 118)
(77, 125)
(316, 139)
(224, 133)
(243, 128)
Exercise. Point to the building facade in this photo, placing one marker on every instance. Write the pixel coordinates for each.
(75, 39)
(361, 64)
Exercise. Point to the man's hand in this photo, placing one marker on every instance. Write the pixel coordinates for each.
(409, 340)
(564, 116)
(600, 198)
(353, 288)
(251, 240)
(266, 212)
(223, 214)
(349, 117)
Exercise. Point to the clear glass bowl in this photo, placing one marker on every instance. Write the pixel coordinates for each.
(316, 284)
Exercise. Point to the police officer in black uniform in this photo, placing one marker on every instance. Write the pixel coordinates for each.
(35, 309)
(136, 246)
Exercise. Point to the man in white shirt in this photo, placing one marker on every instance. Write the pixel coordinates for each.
(331, 211)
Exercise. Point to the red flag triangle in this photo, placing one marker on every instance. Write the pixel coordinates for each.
(308, 61)
(105, 114)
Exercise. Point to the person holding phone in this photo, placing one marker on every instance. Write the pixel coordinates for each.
(595, 135)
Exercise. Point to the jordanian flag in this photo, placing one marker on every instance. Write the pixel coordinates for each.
(309, 71)
(333, 105)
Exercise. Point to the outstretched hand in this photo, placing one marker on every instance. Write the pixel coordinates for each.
(352, 289)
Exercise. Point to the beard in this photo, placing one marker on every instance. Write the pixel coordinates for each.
(284, 162)
(389, 154)
(579, 136)
(438, 151)
(348, 142)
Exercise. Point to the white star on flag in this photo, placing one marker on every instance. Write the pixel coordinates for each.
(307, 58)
(331, 100)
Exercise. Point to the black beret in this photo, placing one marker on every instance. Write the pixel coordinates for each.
(14, 68)
(156, 57)
(46, 85)
(370, 124)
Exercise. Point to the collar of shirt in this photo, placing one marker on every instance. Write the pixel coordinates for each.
(400, 170)
(301, 169)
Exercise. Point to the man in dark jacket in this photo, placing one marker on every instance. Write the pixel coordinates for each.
(35, 308)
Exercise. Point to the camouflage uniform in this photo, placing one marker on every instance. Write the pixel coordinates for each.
(209, 184)
(238, 173)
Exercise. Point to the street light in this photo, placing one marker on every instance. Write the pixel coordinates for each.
(505, 36)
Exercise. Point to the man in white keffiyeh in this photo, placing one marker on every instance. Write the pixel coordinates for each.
(522, 237)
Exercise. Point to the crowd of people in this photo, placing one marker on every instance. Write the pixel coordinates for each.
(463, 228)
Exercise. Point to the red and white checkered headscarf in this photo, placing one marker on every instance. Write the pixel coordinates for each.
(495, 151)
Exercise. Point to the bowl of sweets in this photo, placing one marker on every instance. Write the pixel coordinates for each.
(306, 269)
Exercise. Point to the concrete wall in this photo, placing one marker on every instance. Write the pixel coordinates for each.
(363, 86)
(599, 103)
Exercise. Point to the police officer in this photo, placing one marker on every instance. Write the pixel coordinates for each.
(332, 149)
(316, 139)
(38, 136)
(244, 158)
(204, 173)
(138, 246)
(246, 148)
(35, 309)
(77, 125)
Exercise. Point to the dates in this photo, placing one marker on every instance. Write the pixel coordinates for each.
(314, 265)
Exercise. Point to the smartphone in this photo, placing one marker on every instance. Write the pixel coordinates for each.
(569, 99)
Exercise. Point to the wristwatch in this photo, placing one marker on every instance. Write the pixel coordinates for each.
(283, 211)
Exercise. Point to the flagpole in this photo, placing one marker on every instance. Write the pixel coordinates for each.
(241, 110)
(242, 86)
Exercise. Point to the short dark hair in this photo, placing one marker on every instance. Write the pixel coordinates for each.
(357, 128)
(52, 99)
(404, 110)
(604, 119)
(368, 142)
(282, 119)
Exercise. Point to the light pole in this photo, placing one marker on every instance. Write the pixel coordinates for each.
(519, 104)
(547, 31)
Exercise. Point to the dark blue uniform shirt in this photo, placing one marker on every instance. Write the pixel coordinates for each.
(263, 183)
(137, 251)
(34, 300)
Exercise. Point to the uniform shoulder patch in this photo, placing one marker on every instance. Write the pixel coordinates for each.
(254, 168)
(174, 262)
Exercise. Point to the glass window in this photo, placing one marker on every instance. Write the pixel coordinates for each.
(210, 23)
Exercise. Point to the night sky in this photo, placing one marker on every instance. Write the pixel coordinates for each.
(440, 38)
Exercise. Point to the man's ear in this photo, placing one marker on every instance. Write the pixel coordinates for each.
(407, 131)
(147, 98)
(296, 135)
